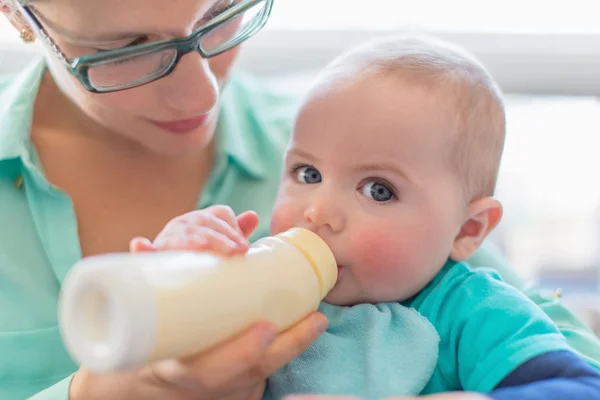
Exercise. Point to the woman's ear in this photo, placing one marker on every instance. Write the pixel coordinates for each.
(483, 215)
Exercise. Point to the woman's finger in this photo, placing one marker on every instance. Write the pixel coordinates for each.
(220, 368)
(248, 359)
(288, 345)
(319, 397)
(293, 342)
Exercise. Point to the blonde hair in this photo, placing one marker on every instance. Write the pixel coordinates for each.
(471, 91)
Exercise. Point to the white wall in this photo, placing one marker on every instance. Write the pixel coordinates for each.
(526, 63)
(530, 63)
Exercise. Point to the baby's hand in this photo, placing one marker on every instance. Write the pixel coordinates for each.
(214, 228)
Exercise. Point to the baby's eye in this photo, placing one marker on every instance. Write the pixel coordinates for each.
(378, 191)
(308, 175)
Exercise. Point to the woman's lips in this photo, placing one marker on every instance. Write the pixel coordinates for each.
(182, 126)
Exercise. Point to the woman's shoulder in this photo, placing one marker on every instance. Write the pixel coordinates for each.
(17, 96)
(6, 80)
(26, 79)
(7, 83)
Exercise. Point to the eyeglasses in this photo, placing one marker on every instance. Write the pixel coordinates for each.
(129, 67)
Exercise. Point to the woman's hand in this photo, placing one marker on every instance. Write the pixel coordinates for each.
(235, 369)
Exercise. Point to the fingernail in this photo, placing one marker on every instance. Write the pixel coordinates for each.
(320, 324)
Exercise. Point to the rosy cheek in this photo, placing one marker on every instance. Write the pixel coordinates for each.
(385, 253)
(284, 216)
(127, 100)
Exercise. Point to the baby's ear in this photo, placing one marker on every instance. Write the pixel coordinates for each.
(482, 216)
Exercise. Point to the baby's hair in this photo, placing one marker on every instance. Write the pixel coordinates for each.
(448, 71)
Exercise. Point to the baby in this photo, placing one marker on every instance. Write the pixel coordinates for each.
(393, 162)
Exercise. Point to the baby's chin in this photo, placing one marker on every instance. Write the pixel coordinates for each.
(341, 296)
(338, 296)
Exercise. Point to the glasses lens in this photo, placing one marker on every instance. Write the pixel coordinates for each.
(141, 69)
(235, 30)
(131, 71)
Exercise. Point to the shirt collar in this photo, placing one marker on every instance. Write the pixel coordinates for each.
(17, 99)
(242, 129)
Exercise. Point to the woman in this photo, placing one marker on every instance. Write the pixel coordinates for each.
(106, 138)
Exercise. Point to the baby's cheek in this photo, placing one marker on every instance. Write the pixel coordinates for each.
(383, 253)
(283, 218)
(388, 259)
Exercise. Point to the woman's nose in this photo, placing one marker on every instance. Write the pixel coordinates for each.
(192, 88)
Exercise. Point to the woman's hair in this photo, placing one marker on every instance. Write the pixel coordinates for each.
(12, 4)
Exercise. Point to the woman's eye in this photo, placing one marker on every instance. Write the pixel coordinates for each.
(309, 175)
(378, 191)
(220, 8)
(135, 42)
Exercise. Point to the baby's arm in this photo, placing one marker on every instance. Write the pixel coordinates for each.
(551, 376)
(215, 228)
(499, 343)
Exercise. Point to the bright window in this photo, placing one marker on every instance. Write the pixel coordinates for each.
(505, 16)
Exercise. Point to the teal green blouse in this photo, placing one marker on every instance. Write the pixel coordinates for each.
(39, 241)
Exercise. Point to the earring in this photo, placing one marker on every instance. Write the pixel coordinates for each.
(27, 35)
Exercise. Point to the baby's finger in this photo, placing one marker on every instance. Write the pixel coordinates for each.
(218, 242)
(206, 220)
(248, 222)
(226, 214)
(140, 244)
(205, 239)
(195, 223)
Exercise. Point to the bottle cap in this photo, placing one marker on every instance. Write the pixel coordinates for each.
(107, 313)
(318, 253)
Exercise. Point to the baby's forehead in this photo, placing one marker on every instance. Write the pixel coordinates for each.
(365, 122)
(375, 96)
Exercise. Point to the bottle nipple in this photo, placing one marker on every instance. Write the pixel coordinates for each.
(317, 252)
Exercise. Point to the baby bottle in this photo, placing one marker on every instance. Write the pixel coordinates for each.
(119, 311)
